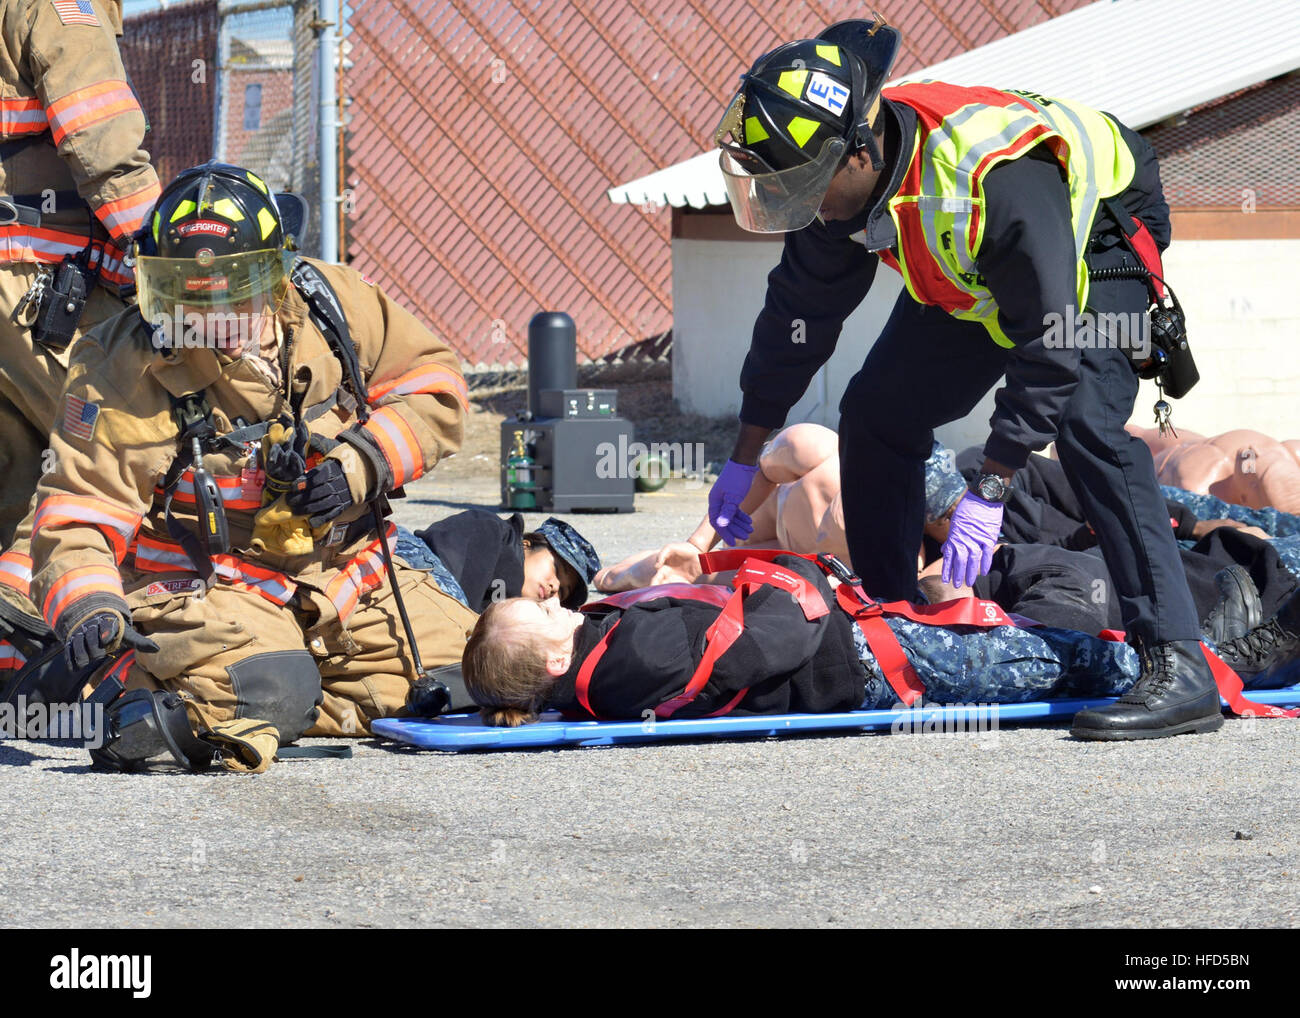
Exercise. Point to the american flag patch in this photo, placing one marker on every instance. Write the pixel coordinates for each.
(80, 418)
(76, 12)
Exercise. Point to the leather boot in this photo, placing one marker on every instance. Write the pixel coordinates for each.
(1174, 694)
(1238, 609)
(1268, 656)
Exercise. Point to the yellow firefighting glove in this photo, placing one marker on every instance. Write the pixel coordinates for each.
(275, 527)
(278, 530)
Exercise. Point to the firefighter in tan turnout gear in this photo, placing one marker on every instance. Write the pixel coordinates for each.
(206, 518)
(74, 187)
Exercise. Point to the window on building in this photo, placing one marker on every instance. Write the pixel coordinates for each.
(252, 107)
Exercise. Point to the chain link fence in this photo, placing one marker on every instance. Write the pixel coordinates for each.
(170, 56)
(266, 103)
(235, 81)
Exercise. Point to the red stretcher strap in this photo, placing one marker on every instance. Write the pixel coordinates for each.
(898, 671)
(869, 616)
(724, 631)
(1230, 686)
(710, 592)
(891, 657)
(583, 683)
(1228, 681)
(754, 574)
(733, 558)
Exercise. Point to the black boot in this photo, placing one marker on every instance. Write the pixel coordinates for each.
(1268, 657)
(1238, 609)
(1174, 694)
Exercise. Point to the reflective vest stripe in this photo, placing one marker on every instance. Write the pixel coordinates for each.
(962, 133)
(16, 571)
(964, 235)
(155, 556)
(76, 584)
(20, 117)
(124, 217)
(233, 492)
(117, 526)
(89, 106)
(364, 573)
(430, 378)
(398, 443)
(11, 658)
(19, 243)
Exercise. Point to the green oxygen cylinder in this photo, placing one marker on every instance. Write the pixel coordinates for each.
(521, 485)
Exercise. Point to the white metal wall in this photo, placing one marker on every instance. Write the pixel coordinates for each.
(1243, 319)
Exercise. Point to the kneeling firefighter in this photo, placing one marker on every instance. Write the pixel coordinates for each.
(210, 530)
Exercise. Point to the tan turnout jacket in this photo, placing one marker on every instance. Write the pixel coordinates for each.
(100, 519)
(70, 126)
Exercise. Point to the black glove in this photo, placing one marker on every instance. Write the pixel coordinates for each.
(284, 465)
(322, 493)
(92, 642)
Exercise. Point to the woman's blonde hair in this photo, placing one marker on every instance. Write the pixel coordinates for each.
(504, 668)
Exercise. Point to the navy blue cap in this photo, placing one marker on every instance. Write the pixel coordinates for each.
(943, 484)
(577, 551)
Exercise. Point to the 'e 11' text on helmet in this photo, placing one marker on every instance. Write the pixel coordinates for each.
(801, 110)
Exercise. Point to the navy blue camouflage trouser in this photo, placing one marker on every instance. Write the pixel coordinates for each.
(1284, 528)
(1005, 664)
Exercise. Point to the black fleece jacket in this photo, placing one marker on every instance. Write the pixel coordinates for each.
(788, 663)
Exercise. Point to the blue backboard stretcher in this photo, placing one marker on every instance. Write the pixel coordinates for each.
(460, 732)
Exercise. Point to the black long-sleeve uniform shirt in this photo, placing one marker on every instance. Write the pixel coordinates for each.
(1027, 259)
(787, 662)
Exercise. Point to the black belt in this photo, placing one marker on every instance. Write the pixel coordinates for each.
(25, 208)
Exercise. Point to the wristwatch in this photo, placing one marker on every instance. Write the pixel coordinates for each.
(991, 488)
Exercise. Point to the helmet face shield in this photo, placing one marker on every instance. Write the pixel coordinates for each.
(228, 299)
(778, 201)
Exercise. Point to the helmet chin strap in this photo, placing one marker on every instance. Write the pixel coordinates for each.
(873, 150)
(866, 135)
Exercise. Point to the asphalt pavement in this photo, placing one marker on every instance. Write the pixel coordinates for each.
(1022, 827)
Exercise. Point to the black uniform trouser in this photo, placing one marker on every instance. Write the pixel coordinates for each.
(927, 369)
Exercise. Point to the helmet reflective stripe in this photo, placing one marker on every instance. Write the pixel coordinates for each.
(754, 132)
(831, 53)
(226, 209)
(792, 82)
(266, 220)
(801, 129)
(969, 132)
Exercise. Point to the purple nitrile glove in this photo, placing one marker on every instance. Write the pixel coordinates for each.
(968, 552)
(728, 491)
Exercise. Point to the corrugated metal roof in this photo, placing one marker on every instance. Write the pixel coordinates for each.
(1142, 60)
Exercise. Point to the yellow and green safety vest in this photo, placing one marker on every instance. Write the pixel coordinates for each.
(962, 133)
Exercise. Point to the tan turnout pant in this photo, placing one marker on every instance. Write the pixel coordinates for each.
(365, 668)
